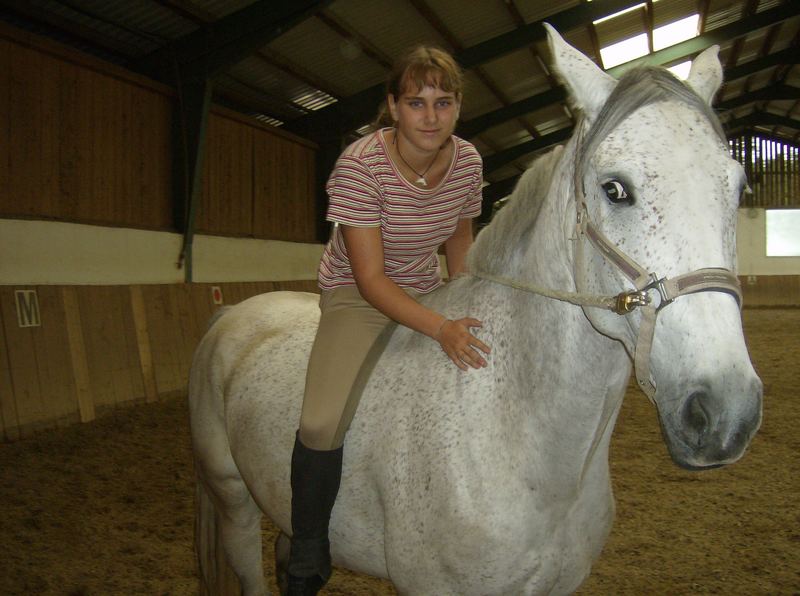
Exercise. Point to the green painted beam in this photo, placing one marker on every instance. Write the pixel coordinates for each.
(501, 158)
(219, 45)
(474, 126)
(787, 56)
(190, 124)
(775, 92)
(761, 119)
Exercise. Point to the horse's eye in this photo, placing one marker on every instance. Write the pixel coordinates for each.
(616, 193)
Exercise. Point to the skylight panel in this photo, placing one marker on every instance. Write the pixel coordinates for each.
(624, 51)
(675, 32)
(663, 37)
(314, 100)
(268, 120)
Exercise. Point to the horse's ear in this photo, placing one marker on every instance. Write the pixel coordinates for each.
(588, 86)
(705, 77)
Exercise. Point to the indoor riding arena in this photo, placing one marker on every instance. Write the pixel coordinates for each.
(161, 159)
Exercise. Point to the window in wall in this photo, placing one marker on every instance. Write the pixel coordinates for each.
(783, 232)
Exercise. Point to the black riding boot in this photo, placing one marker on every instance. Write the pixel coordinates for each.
(315, 482)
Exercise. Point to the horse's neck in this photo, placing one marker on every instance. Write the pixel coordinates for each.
(568, 379)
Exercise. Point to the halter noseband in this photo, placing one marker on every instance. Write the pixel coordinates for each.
(710, 279)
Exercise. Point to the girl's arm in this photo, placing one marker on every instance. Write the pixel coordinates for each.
(456, 247)
(365, 250)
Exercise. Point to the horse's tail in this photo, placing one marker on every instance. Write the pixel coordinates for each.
(216, 315)
(215, 575)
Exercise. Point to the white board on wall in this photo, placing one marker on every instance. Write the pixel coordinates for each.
(34, 252)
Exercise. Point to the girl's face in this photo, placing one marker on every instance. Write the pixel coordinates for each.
(425, 118)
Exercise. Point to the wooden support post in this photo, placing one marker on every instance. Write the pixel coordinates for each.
(77, 350)
(143, 343)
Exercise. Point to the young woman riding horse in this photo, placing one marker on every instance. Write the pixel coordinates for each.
(396, 196)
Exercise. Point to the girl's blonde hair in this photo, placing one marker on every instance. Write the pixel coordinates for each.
(420, 67)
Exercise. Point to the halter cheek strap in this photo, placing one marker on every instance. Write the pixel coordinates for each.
(709, 279)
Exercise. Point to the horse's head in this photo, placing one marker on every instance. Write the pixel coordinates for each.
(656, 184)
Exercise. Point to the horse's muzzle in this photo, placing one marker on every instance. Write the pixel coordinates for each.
(711, 429)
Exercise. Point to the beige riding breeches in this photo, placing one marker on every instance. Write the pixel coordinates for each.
(348, 328)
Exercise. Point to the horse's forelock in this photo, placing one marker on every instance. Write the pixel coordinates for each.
(637, 88)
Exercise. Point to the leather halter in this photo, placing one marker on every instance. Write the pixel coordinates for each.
(709, 279)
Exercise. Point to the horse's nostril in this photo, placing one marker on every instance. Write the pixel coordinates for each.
(695, 417)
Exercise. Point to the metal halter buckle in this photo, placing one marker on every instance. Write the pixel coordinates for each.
(660, 286)
(628, 301)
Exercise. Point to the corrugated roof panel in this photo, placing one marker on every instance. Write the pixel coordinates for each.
(328, 56)
(723, 12)
(278, 83)
(151, 20)
(472, 22)
(86, 15)
(378, 23)
(518, 74)
(622, 27)
(767, 4)
(221, 8)
(536, 10)
(275, 106)
(669, 11)
(505, 135)
(477, 98)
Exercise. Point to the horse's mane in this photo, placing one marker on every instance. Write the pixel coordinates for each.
(515, 221)
(513, 224)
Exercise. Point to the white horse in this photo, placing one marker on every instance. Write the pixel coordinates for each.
(496, 481)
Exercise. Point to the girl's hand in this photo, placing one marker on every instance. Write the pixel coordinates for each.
(460, 345)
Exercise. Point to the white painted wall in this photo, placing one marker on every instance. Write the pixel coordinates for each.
(43, 252)
(751, 243)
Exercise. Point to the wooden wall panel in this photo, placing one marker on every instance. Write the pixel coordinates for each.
(22, 362)
(5, 108)
(84, 359)
(284, 207)
(166, 338)
(106, 320)
(771, 290)
(9, 423)
(57, 384)
(93, 144)
(226, 204)
(88, 146)
(32, 84)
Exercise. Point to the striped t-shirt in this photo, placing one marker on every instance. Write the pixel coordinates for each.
(366, 190)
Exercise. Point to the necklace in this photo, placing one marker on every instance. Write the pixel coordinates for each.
(421, 180)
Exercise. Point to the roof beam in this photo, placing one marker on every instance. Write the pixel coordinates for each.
(211, 49)
(693, 46)
(501, 158)
(665, 56)
(470, 128)
(775, 92)
(761, 119)
(352, 112)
